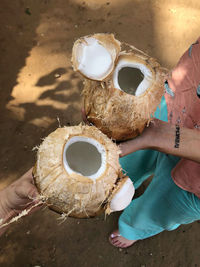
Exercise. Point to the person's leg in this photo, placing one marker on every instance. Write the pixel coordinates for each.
(163, 206)
(140, 165)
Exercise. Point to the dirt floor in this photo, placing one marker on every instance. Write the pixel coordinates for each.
(37, 85)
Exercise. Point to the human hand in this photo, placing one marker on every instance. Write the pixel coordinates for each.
(130, 146)
(18, 196)
(145, 140)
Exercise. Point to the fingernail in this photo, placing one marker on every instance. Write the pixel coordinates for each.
(112, 235)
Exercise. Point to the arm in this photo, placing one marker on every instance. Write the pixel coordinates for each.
(166, 138)
(17, 197)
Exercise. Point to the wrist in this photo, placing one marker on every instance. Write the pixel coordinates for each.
(157, 134)
(149, 137)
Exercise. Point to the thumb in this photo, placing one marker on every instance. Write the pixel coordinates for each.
(27, 190)
(32, 192)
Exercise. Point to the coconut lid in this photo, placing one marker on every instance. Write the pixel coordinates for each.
(122, 195)
(94, 56)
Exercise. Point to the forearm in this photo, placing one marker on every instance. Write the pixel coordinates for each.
(171, 139)
(166, 138)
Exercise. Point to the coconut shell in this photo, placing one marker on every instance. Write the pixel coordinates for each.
(74, 194)
(120, 183)
(119, 115)
(107, 40)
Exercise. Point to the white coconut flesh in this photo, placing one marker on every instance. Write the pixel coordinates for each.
(84, 156)
(123, 197)
(94, 60)
(132, 77)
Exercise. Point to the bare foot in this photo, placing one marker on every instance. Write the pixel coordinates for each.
(119, 241)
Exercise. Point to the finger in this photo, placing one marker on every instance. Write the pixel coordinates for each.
(126, 148)
(84, 117)
(27, 190)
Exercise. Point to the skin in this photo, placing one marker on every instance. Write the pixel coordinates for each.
(17, 197)
(160, 136)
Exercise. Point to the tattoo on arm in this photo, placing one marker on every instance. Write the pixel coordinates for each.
(177, 136)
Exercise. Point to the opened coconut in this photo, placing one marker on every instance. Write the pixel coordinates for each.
(122, 85)
(78, 173)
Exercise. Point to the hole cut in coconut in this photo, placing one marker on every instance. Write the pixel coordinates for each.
(132, 77)
(84, 156)
(129, 79)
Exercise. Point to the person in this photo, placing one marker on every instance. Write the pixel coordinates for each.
(169, 149)
(18, 196)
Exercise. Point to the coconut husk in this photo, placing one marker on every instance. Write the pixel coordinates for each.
(119, 115)
(74, 194)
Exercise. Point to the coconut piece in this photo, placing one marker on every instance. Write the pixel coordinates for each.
(123, 195)
(123, 104)
(94, 56)
(76, 170)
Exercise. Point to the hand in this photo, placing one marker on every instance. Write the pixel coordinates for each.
(139, 142)
(18, 196)
(146, 140)
(134, 144)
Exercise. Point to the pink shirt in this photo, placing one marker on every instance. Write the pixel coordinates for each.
(183, 103)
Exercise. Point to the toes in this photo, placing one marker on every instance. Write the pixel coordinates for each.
(124, 245)
(114, 234)
(117, 244)
(114, 240)
(118, 241)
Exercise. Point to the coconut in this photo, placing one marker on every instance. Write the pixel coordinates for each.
(78, 173)
(124, 101)
(94, 56)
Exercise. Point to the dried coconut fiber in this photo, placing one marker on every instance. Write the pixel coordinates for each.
(122, 85)
(78, 173)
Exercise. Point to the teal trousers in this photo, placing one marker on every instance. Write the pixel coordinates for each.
(163, 205)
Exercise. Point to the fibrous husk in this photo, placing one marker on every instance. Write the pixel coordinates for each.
(118, 114)
(74, 194)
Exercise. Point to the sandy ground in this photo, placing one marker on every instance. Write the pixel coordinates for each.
(37, 85)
